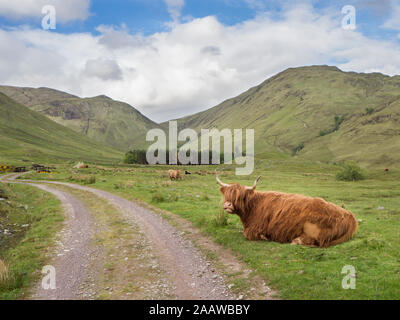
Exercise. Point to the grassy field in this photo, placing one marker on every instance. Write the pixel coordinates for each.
(297, 272)
(32, 218)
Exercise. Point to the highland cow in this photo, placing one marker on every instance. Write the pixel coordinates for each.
(174, 175)
(288, 218)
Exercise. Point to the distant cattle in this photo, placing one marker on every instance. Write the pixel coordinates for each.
(386, 170)
(174, 175)
(81, 165)
(288, 218)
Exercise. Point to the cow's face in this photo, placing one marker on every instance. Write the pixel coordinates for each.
(230, 198)
(229, 207)
(236, 197)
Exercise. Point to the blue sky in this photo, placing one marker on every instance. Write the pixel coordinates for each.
(150, 16)
(169, 58)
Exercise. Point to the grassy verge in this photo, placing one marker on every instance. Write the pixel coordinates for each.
(31, 218)
(297, 272)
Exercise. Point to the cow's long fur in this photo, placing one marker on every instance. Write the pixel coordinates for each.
(291, 218)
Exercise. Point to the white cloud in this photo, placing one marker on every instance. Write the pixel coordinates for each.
(190, 67)
(66, 10)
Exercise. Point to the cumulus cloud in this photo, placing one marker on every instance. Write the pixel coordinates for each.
(193, 65)
(66, 10)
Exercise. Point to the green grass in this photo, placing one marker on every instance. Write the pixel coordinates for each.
(297, 272)
(24, 252)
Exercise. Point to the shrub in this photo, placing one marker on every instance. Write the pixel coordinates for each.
(90, 180)
(157, 198)
(298, 148)
(139, 157)
(350, 172)
(85, 179)
(135, 157)
(338, 121)
(369, 110)
(221, 218)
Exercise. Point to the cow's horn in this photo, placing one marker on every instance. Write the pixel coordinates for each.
(255, 184)
(219, 181)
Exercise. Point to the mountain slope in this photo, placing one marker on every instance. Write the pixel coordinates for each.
(318, 113)
(100, 118)
(26, 136)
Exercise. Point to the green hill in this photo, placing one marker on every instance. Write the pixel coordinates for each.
(100, 118)
(319, 113)
(27, 136)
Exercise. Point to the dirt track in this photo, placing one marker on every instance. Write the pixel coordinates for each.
(73, 251)
(72, 254)
(191, 276)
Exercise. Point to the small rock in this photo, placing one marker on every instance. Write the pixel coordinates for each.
(380, 208)
(241, 297)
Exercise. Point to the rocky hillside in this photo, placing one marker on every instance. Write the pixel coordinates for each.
(27, 136)
(114, 123)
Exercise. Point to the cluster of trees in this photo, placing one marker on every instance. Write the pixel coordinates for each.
(338, 121)
(139, 157)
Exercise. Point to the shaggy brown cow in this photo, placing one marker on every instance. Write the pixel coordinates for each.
(175, 174)
(283, 217)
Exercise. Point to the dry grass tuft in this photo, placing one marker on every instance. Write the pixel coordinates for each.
(4, 276)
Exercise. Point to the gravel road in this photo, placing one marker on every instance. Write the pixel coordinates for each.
(190, 275)
(72, 253)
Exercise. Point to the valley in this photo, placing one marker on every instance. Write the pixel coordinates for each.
(152, 238)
